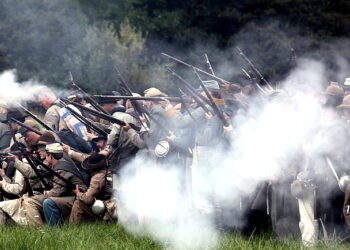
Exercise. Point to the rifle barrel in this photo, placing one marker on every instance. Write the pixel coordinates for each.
(257, 72)
(85, 121)
(198, 69)
(36, 119)
(27, 127)
(198, 98)
(86, 95)
(101, 115)
(136, 98)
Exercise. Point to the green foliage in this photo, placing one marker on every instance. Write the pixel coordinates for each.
(48, 38)
(54, 37)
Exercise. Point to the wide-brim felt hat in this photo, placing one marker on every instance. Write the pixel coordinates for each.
(46, 138)
(334, 90)
(95, 161)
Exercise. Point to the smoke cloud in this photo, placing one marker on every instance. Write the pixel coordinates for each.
(13, 92)
(267, 140)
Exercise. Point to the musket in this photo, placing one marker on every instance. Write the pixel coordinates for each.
(138, 110)
(86, 95)
(212, 103)
(256, 71)
(331, 166)
(36, 131)
(142, 98)
(29, 160)
(51, 171)
(25, 126)
(5, 154)
(36, 119)
(199, 99)
(85, 121)
(254, 82)
(100, 114)
(136, 106)
(198, 69)
(209, 64)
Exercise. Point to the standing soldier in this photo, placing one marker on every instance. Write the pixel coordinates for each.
(52, 118)
(5, 133)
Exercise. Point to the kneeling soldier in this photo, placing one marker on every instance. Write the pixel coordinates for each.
(57, 202)
(100, 189)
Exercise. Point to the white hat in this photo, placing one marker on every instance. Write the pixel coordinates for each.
(54, 148)
(347, 82)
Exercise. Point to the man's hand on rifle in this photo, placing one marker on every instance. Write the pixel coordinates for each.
(208, 115)
(143, 118)
(165, 103)
(11, 157)
(66, 148)
(228, 129)
(91, 136)
(76, 190)
(171, 137)
(224, 85)
(127, 126)
(2, 173)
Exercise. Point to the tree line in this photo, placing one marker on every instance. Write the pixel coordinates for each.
(47, 39)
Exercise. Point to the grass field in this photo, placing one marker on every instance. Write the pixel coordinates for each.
(112, 236)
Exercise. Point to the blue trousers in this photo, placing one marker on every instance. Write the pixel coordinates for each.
(52, 213)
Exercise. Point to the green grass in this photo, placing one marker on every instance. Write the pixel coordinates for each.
(113, 236)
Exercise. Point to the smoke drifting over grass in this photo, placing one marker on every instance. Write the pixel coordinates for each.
(277, 132)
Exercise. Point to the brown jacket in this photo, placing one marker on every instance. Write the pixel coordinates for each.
(97, 189)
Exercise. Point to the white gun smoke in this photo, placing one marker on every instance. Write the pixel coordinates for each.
(13, 92)
(264, 146)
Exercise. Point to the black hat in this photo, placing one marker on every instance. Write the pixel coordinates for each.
(119, 108)
(105, 100)
(98, 137)
(95, 161)
(16, 114)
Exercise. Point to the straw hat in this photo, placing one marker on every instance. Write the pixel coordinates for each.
(153, 92)
(346, 102)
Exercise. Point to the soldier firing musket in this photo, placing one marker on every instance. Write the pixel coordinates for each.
(142, 98)
(137, 108)
(200, 100)
(83, 120)
(86, 95)
(212, 103)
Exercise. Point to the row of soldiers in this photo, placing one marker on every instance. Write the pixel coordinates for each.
(62, 168)
(69, 165)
